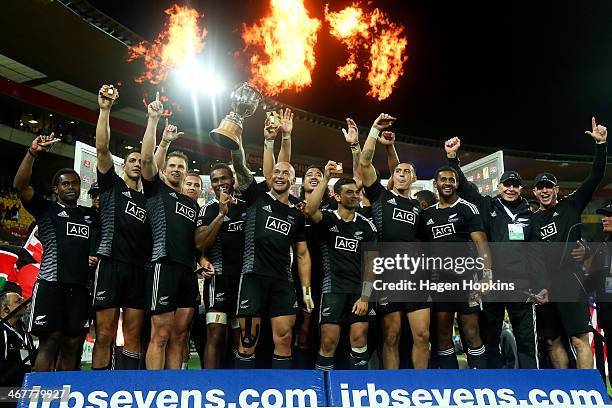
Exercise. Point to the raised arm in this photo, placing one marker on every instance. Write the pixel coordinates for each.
(104, 159)
(21, 183)
(351, 135)
(313, 203)
(366, 169)
(149, 167)
(206, 234)
(286, 127)
(270, 132)
(387, 139)
(243, 174)
(466, 189)
(584, 193)
(169, 135)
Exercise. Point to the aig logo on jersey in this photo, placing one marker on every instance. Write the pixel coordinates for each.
(77, 230)
(346, 244)
(235, 226)
(440, 231)
(185, 211)
(277, 225)
(403, 216)
(135, 211)
(548, 230)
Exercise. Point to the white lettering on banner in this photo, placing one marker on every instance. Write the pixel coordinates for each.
(235, 226)
(403, 216)
(135, 211)
(440, 231)
(346, 244)
(548, 230)
(277, 225)
(77, 230)
(185, 211)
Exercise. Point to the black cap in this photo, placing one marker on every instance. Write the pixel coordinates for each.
(11, 287)
(545, 178)
(94, 187)
(511, 175)
(606, 210)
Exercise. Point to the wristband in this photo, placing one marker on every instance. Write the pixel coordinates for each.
(287, 136)
(306, 291)
(32, 153)
(269, 143)
(355, 148)
(374, 133)
(366, 289)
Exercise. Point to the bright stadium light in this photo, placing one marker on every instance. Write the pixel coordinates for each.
(194, 75)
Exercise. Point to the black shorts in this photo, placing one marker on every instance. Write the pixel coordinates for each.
(118, 284)
(338, 308)
(455, 307)
(384, 307)
(59, 307)
(263, 295)
(557, 319)
(171, 286)
(221, 293)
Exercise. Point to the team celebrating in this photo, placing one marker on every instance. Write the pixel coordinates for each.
(283, 275)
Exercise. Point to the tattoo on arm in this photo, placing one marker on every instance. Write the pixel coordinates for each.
(368, 154)
(243, 174)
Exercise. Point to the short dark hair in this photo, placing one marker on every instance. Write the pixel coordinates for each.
(180, 155)
(445, 168)
(427, 196)
(61, 172)
(343, 182)
(313, 166)
(125, 158)
(221, 166)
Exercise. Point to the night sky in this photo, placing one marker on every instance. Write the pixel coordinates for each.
(523, 75)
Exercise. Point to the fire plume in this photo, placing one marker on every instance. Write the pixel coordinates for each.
(372, 33)
(180, 40)
(282, 47)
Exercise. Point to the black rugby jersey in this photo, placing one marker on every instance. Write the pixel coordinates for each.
(126, 232)
(228, 247)
(65, 236)
(396, 218)
(451, 224)
(340, 243)
(172, 216)
(271, 228)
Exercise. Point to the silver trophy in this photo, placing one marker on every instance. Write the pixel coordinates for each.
(245, 100)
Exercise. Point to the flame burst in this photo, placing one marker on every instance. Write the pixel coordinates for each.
(370, 31)
(282, 46)
(181, 40)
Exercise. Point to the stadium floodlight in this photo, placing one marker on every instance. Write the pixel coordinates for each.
(194, 76)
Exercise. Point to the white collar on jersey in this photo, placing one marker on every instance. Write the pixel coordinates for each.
(272, 195)
(452, 205)
(340, 218)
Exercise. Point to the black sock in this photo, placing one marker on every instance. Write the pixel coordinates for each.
(447, 359)
(303, 359)
(281, 362)
(108, 367)
(128, 360)
(358, 360)
(324, 363)
(477, 357)
(244, 361)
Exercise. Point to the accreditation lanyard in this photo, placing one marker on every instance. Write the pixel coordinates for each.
(515, 231)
